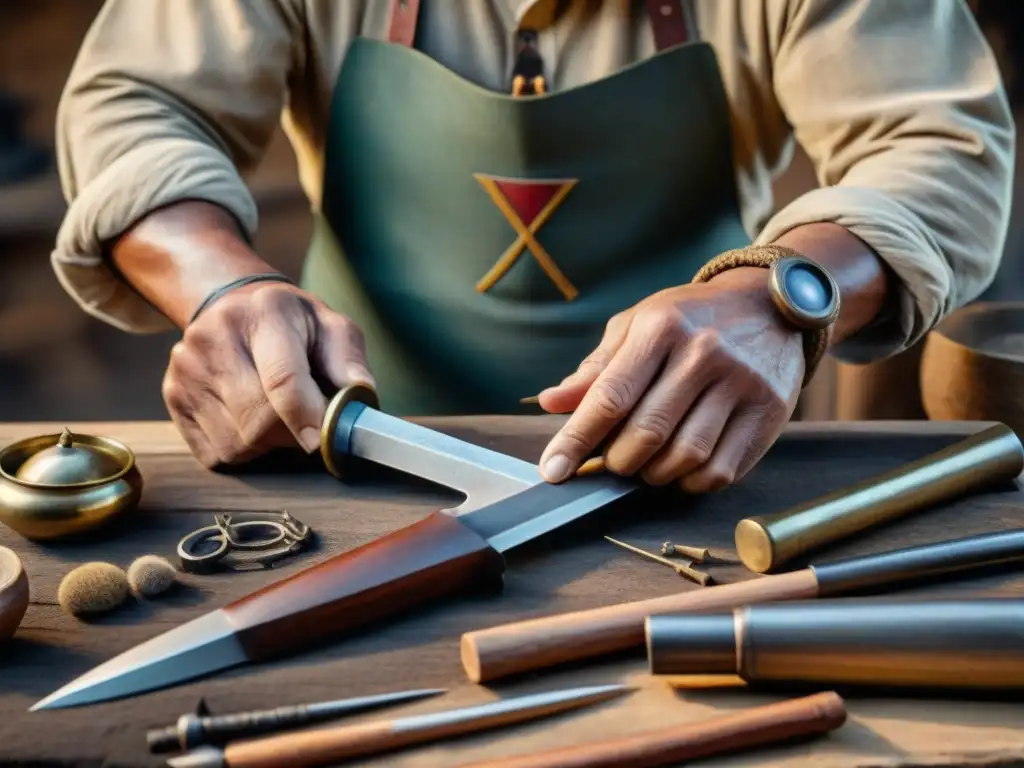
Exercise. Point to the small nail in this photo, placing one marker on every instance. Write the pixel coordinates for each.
(309, 438)
(556, 468)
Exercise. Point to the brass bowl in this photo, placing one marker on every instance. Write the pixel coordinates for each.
(972, 366)
(13, 593)
(51, 510)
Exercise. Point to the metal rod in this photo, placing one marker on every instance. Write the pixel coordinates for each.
(945, 644)
(694, 575)
(995, 454)
(193, 730)
(328, 746)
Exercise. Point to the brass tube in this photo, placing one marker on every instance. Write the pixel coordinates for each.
(949, 644)
(765, 543)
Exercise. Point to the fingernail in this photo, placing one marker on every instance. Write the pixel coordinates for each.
(556, 468)
(309, 438)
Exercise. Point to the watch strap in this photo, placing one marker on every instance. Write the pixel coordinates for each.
(816, 342)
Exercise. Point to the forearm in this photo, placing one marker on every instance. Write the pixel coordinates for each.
(176, 256)
(866, 285)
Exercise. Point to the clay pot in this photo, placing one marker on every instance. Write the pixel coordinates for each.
(13, 593)
(972, 367)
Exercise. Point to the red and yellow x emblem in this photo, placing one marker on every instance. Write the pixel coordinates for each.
(527, 204)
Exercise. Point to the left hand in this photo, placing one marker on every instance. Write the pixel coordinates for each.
(693, 384)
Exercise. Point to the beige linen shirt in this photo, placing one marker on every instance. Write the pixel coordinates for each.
(898, 103)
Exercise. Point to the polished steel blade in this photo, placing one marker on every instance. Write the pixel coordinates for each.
(510, 710)
(360, 703)
(507, 501)
(203, 645)
(483, 475)
(542, 508)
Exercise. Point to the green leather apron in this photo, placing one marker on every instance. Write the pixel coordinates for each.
(482, 241)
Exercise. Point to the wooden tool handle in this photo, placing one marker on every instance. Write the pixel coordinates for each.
(435, 557)
(524, 646)
(312, 747)
(768, 724)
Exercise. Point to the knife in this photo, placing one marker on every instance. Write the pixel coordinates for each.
(450, 551)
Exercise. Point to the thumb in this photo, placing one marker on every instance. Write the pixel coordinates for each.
(340, 351)
(567, 395)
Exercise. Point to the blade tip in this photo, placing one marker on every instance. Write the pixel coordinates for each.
(50, 702)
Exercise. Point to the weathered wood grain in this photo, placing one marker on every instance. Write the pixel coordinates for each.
(572, 570)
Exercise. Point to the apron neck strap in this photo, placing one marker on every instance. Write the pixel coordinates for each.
(669, 20)
(402, 26)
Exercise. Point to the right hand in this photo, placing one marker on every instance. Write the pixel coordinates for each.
(241, 381)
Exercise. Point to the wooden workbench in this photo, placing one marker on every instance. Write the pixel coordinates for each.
(565, 572)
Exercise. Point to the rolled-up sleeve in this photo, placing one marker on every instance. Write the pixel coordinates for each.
(901, 108)
(167, 101)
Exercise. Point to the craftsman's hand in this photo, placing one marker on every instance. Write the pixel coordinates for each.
(693, 384)
(241, 380)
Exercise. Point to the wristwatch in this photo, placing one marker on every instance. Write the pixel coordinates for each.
(802, 290)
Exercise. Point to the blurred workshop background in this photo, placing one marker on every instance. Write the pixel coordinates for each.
(57, 363)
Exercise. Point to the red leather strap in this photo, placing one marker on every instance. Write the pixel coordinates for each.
(669, 22)
(402, 27)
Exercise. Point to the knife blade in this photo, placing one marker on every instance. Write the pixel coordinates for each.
(439, 556)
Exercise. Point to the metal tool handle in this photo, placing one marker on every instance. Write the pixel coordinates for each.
(995, 454)
(948, 644)
(889, 568)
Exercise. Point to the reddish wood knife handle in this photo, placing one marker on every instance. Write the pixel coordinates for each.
(812, 715)
(433, 558)
(508, 649)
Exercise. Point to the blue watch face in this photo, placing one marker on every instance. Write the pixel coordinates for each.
(808, 289)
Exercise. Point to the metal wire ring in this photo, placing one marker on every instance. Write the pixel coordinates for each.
(195, 563)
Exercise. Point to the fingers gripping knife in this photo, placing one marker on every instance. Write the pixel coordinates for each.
(450, 551)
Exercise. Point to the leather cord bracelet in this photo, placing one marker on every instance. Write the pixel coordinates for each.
(816, 342)
(263, 277)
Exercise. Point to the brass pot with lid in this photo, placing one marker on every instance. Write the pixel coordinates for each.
(52, 486)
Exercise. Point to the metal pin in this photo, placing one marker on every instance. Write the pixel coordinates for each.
(695, 554)
(531, 400)
(694, 575)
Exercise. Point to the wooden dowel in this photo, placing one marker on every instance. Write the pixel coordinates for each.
(591, 466)
(508, 649)
(760, 726)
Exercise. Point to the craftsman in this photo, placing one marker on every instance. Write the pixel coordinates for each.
(510, 192)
